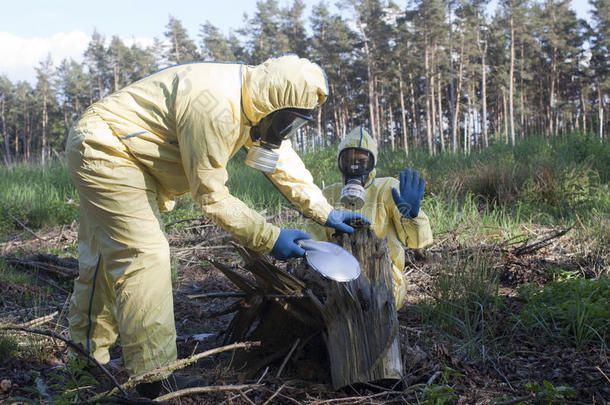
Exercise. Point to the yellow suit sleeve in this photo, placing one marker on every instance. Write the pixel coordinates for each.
(205, 146)
(295, 182)
(316, 230)
(415, 232)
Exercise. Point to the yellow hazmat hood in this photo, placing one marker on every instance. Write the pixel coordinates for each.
(283, 82)
(360, 138)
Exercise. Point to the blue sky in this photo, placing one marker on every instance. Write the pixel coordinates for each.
(30, 29)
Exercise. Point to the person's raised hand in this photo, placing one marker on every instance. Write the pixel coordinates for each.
(408, 199)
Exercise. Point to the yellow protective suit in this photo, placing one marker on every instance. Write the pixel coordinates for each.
(380, 209)
(131, 152)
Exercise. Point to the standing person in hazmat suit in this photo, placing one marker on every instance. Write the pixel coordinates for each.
(130, 153)
(393, 206)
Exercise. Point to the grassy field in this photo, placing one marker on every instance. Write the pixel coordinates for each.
(546, 181)
(479, 291)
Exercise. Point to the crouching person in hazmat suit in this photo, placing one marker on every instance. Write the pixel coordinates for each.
(172, 132)
(392, 206)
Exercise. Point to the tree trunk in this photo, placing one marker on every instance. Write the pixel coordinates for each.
(505, 115)
(522, 91)
(44, 153)
(440, 113)
(391, 124)
(319, 124)
(357, 319)
(415, 115)
(600, 111)
(7, 151)
(403, 112)
(455, 125)
(583, 106)
(427, 94)
(451, 79)
(378, 111)
(511, 78)
(482, 45)
(370, 75)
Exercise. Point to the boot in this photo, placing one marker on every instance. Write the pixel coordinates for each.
(172, 383)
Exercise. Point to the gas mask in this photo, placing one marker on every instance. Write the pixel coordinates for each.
(270, 132)
(355, 164)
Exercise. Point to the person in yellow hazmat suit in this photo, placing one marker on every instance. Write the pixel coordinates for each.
(172, 132)
(392, 206)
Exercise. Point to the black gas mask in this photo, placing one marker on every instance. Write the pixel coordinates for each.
(270, 132)
(355, 164)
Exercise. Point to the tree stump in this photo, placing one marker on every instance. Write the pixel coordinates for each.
(357, 319)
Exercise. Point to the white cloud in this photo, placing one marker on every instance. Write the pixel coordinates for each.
(19, 56)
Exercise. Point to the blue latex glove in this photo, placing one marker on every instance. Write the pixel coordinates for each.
(411, 187)
(286, 246)
(337, 218)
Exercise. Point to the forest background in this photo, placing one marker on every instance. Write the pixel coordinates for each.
(505, 112)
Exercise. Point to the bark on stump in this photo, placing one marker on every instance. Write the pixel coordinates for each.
(357, 319)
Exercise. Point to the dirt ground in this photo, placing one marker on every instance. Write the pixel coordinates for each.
(436, 372)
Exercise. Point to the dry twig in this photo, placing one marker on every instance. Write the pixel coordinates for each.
(203, 390)
(39, 321)
(24, 226)
(294, 346)
(178, 364)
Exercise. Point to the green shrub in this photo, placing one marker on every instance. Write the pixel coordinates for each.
(572, 310)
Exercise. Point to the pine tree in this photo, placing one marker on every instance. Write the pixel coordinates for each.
(182, 48)
(6, 91)
(44, 74)
(600, 62)
(331, 47)
(71, 87)
(214, 45)
(264, 33)
(293, 28)
(97, 64)
(119, 63)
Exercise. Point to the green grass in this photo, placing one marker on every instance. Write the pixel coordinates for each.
(547, 181)
(463, 305)
(35, 195)
(575, 310)
(10, 275)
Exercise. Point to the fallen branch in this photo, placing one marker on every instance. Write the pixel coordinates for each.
(24, 226)
(294, 346)
(119, 400)
(39, 321)
(218, 294)
(186, 220)
(31, 262)
(70, 343)
(203, 390)
(275, 394)
(604, 374)
(532, 247)
(235, 294)
(157, 373)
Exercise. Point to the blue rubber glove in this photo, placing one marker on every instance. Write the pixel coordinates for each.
(411, 187)
(286, 246)
(337, 218)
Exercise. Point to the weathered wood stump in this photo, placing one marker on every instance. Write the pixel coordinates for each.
(357, 319)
